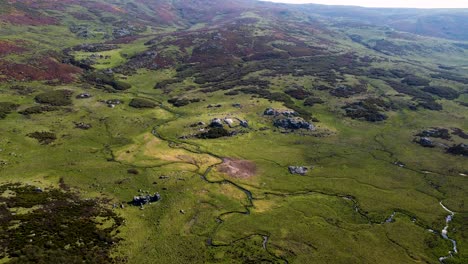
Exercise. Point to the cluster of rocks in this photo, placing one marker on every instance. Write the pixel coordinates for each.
(84, 96)
(288, 119)
(435, 133)
(425, 142)
(293, 123)
(280, 112)
(143, 199)
(214, 106)
(426, 139)
(460, 149)
(218, 122)
(301, 170)
(82, 125)
(113, 102)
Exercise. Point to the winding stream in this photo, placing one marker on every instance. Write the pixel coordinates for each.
(444, 234)
(194, 148)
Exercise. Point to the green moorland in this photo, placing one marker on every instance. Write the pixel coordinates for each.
(105, 100)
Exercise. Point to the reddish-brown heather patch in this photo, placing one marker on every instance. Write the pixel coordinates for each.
(20, 18)
(8, 47)
(45, 69)
(241, 169)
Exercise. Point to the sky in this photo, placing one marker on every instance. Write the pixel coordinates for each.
(386, 3)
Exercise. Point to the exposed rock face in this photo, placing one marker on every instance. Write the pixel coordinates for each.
(293, 123)
(277, 112)
(244, 123)
(145, 199)
(460, 149)
(216, 122)
(229, 121)
(435, 133)
(270, 112)
(82, 125)
(298, 170)
(425, 142)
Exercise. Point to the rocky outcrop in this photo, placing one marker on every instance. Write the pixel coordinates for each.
(460, 149)
(435, 133)
(216, 122)
(244, 123)
(82, 125)
(278, 112)
(301, 170)
(293, 123)
(140, 200)
(425, 142)
(229, 121)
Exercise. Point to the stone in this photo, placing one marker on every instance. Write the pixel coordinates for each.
(301, 170)
(244, 123)
(141, 200)
(425, 142)
(216, 122)
(82, 125)
(113, 102)
(229, 121)
(270, 112)
(83, 96)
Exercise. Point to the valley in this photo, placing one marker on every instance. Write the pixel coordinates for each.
(271, 133)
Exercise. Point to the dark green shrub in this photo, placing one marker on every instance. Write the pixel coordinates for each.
(442, 91)
(414, 80)
(55, 98)
(119, 85)
(431, 105)
(38, 109)
(215, 132)
(141, 103)
(43, 137)
(312, 101)
(6, 108)
(299, 93)
(178, 102)
(58, 227)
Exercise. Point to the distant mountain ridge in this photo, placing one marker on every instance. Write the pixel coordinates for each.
(441, 23)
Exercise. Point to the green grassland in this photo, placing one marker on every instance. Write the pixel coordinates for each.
(336, 213)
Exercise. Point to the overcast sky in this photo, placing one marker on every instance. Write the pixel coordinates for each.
(386, 3)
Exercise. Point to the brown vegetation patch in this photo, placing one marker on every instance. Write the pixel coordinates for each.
(7, 47)
(45, 69)
(236, 168)
(19, 18)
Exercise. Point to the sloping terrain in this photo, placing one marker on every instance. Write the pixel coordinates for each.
(242, 132)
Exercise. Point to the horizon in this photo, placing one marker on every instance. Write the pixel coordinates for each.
(428, 4)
